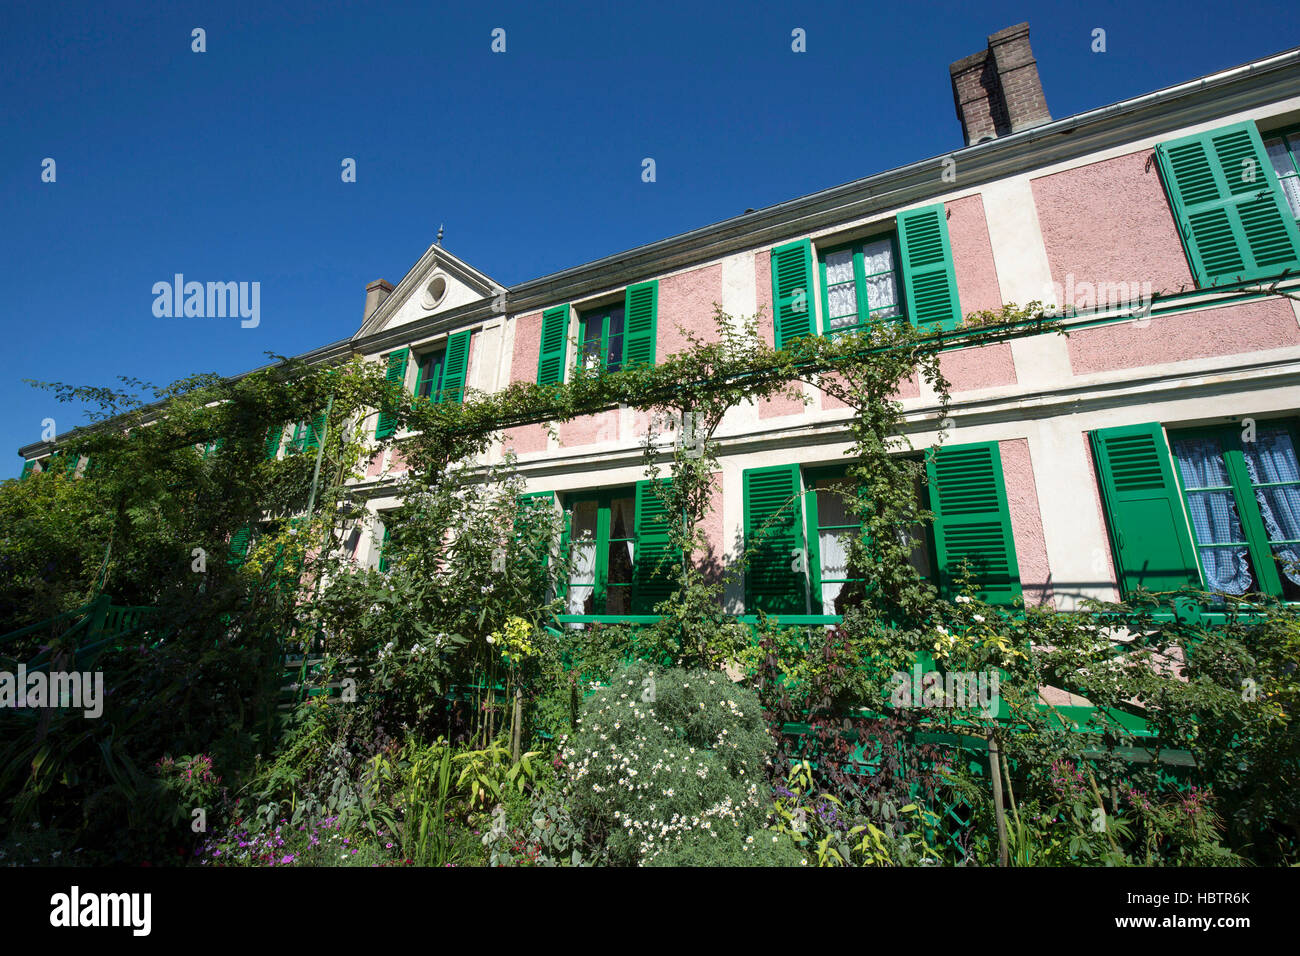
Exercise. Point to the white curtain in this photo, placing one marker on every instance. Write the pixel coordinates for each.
(835, 564)
(584, 569)
(1214, 515)
(1271, 458)
(1280, 157)
(841, 291)
(878, 267)
(834, 544)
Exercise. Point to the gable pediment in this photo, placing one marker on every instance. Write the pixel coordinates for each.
(438, 282)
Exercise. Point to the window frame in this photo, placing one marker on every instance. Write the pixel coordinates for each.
(815, 475)
(1283, 133)
(813, 478)
(1258, 546)
(384, 537)
(860, 282)
(435, 394)
(603, 497)
(604, 313)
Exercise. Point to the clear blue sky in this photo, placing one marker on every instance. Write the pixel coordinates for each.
(225, 165)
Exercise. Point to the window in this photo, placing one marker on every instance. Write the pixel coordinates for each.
(833, 528)
(609, 338)
(600, 338)
(1243, 504)
(963, 486)
(307, 435)
(428, 384)
(860, 285)
(1284, 153)
(602, 543)
(908, 273)
(833, 525)
(1233, 220)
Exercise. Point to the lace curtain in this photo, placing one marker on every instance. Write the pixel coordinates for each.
(1214, 515)
(841, 290)
(584, 569)
(834, 545)
(1271, 458)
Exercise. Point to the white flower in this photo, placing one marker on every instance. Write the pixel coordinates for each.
(963, 599)
(980, 618)
(491, 639)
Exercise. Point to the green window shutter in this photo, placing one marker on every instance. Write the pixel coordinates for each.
(273, 436)
(1144, 511)
(299, 437)
(655, 562)
(312, 438)
(1234, 223)
(776, 581)
(239, 545)
(792, 291)
(454, 366)
(972, 523)
(396, 375)
(537, 500)
(383, 549)
(28, 466)
(928, 277)
(641, 319)
(555, 342)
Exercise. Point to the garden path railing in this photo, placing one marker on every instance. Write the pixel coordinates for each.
(94, 627)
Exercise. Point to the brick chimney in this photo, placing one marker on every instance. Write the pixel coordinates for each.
(376, 293)
(997, 91)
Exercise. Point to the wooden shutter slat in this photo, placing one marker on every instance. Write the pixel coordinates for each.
(455, 364)
(528, 501)
(239, 545)
(395, 375)
(274, 435)
(792, 291)
(775, 581)
(1144, 511)
(929, 281)
(554, 345)
(640, 321)
(1231, 215)
(654, 561)
(972, 523)
(314, 433)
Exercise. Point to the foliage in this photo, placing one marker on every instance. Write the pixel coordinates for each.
(824, 829)
(454, 643)
(665, 757)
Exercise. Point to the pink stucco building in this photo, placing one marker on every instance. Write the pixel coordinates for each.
(1154, 446)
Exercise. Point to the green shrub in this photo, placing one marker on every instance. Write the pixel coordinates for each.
(669, 761)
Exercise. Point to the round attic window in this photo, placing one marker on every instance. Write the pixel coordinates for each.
(435, 292)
